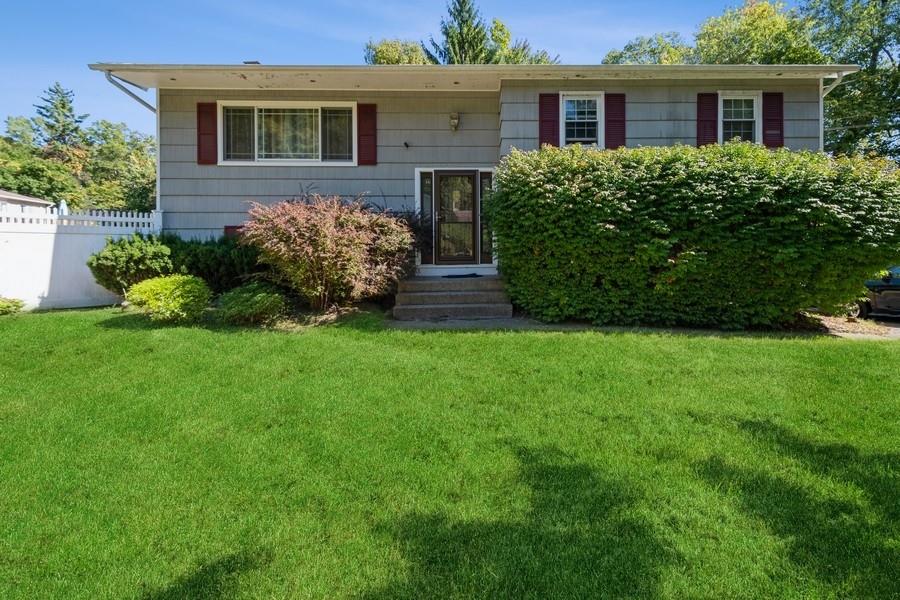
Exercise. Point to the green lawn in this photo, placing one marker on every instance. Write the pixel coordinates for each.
(354, 461)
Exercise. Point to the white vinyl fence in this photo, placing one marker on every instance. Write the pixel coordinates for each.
(43, 254)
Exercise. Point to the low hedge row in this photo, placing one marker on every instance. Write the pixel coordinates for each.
(730, 236)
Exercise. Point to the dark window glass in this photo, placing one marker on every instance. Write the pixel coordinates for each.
(487, 254)
(237, 132)
(581, 121)
(337, 134)
(426, 244)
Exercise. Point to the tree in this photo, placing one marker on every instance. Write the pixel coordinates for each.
(465, 37)
(21, 131)
(759, 32)
(660, 49)
(504, 51)
(395, 52)
(26, 173)
(862, 114)
(106, 165)
(121, 167)
(57, 124)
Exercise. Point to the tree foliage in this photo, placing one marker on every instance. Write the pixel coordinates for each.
(53, 156)
(465, 38)
(757, 33)
(863, 114)
(660, 49)
(58, 125)
(395, 52)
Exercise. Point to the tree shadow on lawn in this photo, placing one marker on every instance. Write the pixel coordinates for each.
(134, 321)
(878, 475)
(215, 579)
(581, 538)
(843, 543)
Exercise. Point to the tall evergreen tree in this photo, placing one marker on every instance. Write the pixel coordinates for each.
(58, 125)
(465, 37)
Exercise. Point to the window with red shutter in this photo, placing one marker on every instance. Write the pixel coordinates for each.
(707, 119)
(207, 143)
(773, 119)
(614, 124)
(366, 134)
(548, 119)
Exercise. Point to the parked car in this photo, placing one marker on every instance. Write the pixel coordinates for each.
(883, 297)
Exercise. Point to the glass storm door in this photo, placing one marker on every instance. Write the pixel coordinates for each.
(455, 217)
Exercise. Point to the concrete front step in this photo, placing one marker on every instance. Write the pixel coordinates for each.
(421, 312)
(467, 297)
(455, 284)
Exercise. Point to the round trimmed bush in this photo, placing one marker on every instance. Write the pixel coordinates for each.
(172, 298)
(128, 260)
(10, 306)
(252, 303)
(730, 235)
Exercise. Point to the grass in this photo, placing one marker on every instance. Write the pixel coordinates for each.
(355, 461)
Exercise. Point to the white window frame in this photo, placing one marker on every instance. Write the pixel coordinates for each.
(282, 162)
(756, 96)
(601, 117)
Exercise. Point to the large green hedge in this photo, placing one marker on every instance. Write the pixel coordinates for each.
(731, 236)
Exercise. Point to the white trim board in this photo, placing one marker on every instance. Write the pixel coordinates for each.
(756, 95)
(599, 96)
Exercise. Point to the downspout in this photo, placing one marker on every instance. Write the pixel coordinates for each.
(833, 84)
(156, 214)
(824, 91)
(114, 80)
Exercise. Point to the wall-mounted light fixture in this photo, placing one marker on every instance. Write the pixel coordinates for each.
(454, 121)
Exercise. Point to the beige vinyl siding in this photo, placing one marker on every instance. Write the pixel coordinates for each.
(199, 200)
(658, 113)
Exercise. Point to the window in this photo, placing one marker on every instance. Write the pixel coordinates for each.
(288, 132)
(580, 117)
(740, 116)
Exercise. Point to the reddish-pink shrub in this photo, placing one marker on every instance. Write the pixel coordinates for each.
(329, 251)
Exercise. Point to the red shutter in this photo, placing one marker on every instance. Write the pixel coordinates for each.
(366, 134)
(548, 119)
(773, 119)
(707, 119)
(232, 231)
(614, 120)
(207, 147)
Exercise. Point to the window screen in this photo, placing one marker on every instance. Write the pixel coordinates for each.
(288, 133)
(237, 133)
(337, 134)
(581, 120)
(738, 119)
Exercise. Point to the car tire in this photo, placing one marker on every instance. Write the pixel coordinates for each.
(864, 309)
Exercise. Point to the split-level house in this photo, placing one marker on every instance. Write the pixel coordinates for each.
(428, 138)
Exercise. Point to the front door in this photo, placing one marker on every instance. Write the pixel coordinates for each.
(455, 213)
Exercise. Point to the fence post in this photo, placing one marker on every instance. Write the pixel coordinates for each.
(157, 221)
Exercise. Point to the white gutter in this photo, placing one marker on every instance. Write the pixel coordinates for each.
(115, 81)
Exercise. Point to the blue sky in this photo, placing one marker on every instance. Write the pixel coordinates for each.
(54, 41)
